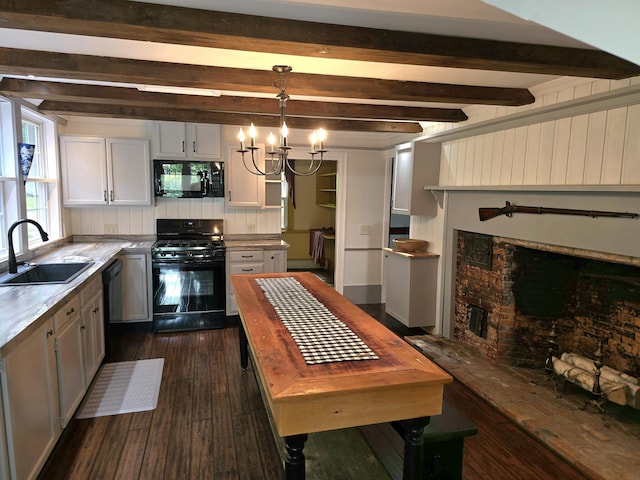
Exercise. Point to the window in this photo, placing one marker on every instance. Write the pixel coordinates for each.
(36, 189)
(37, 197)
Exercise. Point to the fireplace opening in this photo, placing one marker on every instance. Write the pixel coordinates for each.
(505, 308)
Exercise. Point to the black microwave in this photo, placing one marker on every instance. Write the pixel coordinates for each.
(188, 179)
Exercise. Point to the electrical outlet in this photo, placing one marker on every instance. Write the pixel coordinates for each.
(364, 230)
(110, 228)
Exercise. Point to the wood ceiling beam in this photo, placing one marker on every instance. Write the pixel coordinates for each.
(76, 93)
(186, 26)
(122, 70)
(225, 118)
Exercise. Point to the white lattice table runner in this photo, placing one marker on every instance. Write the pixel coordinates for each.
(320, 336)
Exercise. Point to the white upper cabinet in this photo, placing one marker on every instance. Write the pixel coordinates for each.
(105, 171)
(243, 188)
(175, 140)
(129, 171)
(415, 165)
(84, 173)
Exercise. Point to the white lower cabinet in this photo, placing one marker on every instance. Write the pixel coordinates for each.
(69, 358)
(135, 287)
(92, 328)
(31, 402)
(252, 261)
(45, 377)
(410, 288)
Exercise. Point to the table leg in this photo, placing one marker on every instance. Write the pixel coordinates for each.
(413, 452)
(244, 348)
(294, 461)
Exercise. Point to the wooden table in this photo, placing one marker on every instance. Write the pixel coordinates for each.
(401, 385)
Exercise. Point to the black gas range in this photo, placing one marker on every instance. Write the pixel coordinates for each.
(189, 283)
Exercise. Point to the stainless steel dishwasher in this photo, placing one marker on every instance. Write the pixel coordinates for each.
(112, 290)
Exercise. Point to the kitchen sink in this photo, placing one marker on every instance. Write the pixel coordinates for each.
(45, 273)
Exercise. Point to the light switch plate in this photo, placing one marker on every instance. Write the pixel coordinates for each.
(364, 230)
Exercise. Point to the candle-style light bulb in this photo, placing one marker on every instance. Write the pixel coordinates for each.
(272, 142)
(314, 139)
(322, 135)
(284, 131)
(241, 137)
(252, 135)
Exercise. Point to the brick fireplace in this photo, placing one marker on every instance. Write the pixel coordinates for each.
(509, 292)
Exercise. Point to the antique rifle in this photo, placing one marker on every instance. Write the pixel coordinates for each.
(509, 210)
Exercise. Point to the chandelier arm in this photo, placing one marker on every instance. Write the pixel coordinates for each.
(257, 171)
(274, 170)
(309, 171)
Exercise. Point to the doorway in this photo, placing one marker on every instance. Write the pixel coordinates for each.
(311, 224)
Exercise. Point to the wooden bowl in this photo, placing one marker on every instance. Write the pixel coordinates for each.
(410, 245)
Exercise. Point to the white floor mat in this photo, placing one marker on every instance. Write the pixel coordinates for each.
(124, 387)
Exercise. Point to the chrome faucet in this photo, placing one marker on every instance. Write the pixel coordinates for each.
(13, 265)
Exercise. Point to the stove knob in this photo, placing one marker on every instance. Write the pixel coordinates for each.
(163, 254)
(190, 254)
(173, 254)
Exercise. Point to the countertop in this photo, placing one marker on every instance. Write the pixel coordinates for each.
(411, 255)
(25, 308)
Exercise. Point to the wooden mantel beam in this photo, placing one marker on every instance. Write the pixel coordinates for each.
(75, 93)
(112, 69)
(186, 26)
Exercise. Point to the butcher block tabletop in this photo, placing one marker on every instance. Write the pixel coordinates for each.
(401, 384)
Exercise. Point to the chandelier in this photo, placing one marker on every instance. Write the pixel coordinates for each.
(279, 154)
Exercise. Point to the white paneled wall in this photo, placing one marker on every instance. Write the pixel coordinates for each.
(600, 148)
(142, 220)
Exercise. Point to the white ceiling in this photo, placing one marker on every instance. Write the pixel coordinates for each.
(465, 18)
(461, 18)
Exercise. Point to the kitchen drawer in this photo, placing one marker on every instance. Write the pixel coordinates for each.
(246, 256)
(248, 267)
(69, 311)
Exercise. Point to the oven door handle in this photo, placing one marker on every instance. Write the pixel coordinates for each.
(190, 263)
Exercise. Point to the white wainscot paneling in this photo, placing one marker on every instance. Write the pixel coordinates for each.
(519, 156)
(362, 267)
(577, 149)
(614, 145)
(547, 133)
(560, 151)
(631, 159)
(496, 163)
(487, 159)
(530, 174)
(595, 148)
(507, 157)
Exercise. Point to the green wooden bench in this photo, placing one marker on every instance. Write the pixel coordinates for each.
(443, 444)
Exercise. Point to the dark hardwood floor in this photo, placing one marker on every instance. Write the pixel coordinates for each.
(210, 423)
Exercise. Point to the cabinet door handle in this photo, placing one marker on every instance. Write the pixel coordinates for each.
(183, 146)
(229, 195)
(247, 269)
(194, 146)
(247, 256)
(71, 311)
(49, 333)
(83, 327)
(104, 194)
